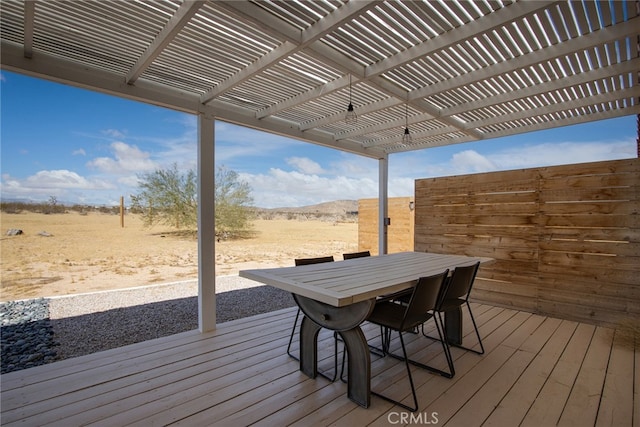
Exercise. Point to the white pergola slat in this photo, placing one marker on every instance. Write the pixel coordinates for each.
(456, 71)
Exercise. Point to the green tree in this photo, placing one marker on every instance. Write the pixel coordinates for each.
(169, 196)
(233, 201)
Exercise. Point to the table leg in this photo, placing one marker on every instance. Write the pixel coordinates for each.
(309, 347)
(453, 326)
(345, 320)
(359, 365)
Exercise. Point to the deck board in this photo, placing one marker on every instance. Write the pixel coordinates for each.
(586, 393)
(520, 397)
(536, 371)
(490, 394)
(616, 405)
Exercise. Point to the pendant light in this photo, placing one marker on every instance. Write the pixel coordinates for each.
(406, 136)
(351, 118)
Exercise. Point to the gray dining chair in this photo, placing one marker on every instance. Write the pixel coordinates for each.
(352, 255)
(422, 306)
(458, 291)
(309, 261)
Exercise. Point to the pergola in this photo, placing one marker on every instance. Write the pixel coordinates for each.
(445, 72)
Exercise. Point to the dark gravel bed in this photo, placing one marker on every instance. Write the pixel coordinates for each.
(26, 335)
(30, 338)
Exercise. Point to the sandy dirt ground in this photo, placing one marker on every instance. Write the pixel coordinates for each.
(85, 253)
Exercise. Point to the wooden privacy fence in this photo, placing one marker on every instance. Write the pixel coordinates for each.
(566, 239)
(399, 232)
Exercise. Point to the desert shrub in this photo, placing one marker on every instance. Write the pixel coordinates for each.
(233, 204)
(169, 196)
(12, 207)
(82, 209)
(52, 206)
(111, 210)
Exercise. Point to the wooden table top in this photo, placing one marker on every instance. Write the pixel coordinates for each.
(341, 283)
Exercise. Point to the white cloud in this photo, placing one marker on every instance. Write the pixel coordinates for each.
(126, 159)
(433, 163)
(64, 184)
(400, 187)
(305, 165)
(79, 152)
(57, 179)
(355, 166)
(355, 177)
(236, 142)
(279, 188)
(550, 154)
(114, 133)
(129, 181)
(470, 161)
(311, 179)
(180, 150)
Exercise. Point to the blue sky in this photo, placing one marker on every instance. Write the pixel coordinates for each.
(85, 147)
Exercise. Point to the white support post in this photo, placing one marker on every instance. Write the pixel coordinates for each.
(206, 224)
(383, 208)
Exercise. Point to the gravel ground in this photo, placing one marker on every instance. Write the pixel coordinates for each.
(88, 323)
(27, 337)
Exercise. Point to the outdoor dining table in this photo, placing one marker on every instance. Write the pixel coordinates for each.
(340, 295)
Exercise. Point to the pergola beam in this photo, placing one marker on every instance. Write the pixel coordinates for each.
(416, 136)
(29, 16)
(325, 89)
(338, 116)
(312, 34)
(183, 15)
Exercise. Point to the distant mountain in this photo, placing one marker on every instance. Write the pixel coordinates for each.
(337, 207)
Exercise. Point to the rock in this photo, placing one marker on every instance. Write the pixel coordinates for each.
(45, 234)
(14, 232)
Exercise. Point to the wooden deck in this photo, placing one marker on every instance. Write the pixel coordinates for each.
(537, 371)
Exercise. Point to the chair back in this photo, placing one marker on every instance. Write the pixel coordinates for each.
(424, 299)
(461, 282)
(356, 255)
(318, 260)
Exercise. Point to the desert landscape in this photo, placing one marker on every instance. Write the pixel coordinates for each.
(71, 253)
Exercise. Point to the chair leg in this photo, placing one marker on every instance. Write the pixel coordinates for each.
(293, 331)
(445, 345)
(385, 338)
(335, 351)
(430, 336)
(475, 326)
(431, 368)
(385, 334)
(413, 390)
(344, 355)
(335, 357)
